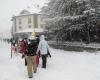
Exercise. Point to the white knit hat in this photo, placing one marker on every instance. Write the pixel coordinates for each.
(32, 37)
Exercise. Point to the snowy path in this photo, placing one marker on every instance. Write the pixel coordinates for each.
(63, 65)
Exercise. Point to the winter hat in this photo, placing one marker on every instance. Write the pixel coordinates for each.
(32, 37)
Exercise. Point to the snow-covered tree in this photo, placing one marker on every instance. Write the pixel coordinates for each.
(67, 16)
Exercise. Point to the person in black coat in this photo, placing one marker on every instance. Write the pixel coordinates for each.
(31, 57)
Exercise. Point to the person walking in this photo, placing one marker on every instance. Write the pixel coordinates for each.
(31, 56)
(43, 47)
(37, 55)
(13, 48)
(23, 48)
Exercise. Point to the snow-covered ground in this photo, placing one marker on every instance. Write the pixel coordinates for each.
(63, 65)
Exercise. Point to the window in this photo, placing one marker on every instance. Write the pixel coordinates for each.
(20, 27)
(29, 26)
(29, 19)
(20, 22)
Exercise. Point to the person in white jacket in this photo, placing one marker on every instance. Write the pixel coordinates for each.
(43, 48)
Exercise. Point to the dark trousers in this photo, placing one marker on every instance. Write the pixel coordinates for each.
(25, 62)
(44, 61)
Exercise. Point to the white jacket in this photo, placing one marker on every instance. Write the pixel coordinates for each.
(43, 46)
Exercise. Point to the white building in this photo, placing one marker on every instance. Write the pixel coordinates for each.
(25, 23)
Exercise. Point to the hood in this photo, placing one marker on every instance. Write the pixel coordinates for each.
(42, 37)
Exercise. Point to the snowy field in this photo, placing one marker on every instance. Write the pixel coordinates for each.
(63, 65)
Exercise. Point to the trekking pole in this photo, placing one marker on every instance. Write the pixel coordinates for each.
(11, 50)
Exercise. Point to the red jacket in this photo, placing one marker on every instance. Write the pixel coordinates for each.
(23, 46)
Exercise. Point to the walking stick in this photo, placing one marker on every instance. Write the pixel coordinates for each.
(11, 50)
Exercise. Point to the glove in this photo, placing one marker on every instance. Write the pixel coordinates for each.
(38, 54)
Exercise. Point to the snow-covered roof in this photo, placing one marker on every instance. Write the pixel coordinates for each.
(24, 12)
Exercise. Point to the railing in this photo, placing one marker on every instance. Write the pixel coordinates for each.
(74, 46)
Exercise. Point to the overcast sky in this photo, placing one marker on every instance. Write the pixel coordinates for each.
(8, 8)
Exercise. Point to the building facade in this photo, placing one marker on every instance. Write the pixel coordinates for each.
(25, 23)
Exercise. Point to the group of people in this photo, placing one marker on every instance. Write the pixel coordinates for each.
(33, 48)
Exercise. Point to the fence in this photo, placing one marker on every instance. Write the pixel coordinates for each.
(75, 46)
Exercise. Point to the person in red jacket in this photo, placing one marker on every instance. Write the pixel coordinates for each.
(23, 48)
